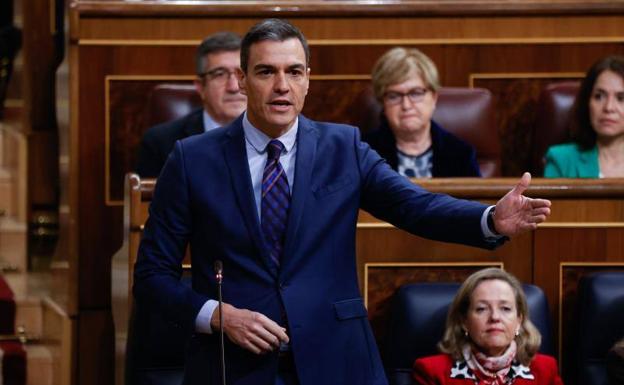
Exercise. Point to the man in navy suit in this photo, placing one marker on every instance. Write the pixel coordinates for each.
(216, 62)
(275, 196)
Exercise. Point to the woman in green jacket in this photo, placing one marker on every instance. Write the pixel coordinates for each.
(597, 147)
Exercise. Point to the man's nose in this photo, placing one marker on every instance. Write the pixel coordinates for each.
(231, 85)
(281, 83)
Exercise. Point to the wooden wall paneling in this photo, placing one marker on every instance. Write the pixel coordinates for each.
(516, 102)
(399, 25)
(95, 348)
(566, 253)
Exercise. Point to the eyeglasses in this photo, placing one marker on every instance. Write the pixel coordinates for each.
(414, 95)
(218, 75)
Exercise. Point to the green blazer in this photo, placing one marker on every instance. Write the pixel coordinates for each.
(569, 161)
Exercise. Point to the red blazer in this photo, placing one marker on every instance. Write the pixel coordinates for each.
(437, 370)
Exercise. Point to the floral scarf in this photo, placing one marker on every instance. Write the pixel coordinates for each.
(490, 370)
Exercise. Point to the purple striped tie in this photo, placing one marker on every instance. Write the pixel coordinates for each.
(275, 201)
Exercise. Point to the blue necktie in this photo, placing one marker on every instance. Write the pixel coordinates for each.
(275, 201)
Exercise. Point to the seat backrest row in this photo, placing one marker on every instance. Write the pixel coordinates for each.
(466, 112)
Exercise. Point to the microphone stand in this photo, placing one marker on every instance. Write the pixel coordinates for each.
(219, 275)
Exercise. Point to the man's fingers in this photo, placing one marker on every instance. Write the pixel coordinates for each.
(541, 211)
(273, 328)
(252, 330)
(537, 219)
(528, 226)
(260, 343)
(266, 335)
(523, 184)
(535, 203)
(278, 332)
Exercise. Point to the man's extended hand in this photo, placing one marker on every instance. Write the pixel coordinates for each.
(516, 213)
(250, 330)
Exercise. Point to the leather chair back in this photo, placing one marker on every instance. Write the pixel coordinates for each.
(169, 101)
(468, 113)
(552, 120)
(417, 321)
(600, 311)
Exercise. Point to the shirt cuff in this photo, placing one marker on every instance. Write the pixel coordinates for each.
(488, 233)
(202, 322)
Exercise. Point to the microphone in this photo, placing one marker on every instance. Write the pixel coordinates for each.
(218, 268)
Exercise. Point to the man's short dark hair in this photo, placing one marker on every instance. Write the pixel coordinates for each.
(218, 42)
(274, 30)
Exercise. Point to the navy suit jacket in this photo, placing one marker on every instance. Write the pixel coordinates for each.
(452, 157)
(315, 291)
(158, 142)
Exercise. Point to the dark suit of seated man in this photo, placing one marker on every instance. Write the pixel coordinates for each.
(217, 59)
(278, 205)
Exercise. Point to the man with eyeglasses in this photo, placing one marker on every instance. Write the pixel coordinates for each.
(217, 59)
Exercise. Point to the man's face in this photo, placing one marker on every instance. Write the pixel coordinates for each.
(219, 89)
(276, 83)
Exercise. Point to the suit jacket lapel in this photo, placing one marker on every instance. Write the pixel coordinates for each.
(306, 151)
(236, 158)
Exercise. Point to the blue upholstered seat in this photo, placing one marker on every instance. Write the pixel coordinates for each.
(600, 310)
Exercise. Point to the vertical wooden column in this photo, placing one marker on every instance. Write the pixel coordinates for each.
(42, 53)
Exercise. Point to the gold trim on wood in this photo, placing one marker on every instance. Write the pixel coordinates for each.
(375, 225)
(545, 225)
(137, 42)
(584, 225)
(563, 265)
(340, 77)
(371, 42)
(421, 264)
(523, 75)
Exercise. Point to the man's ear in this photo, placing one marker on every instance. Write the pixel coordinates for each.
(199, 87)
(308, 85)
(242, 80)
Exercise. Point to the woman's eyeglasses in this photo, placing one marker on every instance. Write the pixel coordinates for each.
(414, 95)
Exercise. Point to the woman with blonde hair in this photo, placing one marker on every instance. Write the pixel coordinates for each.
(489, 338)
(405, 81)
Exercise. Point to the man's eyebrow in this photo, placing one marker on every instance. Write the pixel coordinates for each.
(297, 66)
(263, 67)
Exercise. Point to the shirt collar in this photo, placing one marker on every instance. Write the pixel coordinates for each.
(259, 140)
(209, 122)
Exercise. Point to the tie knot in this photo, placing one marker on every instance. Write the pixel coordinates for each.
(274, 149)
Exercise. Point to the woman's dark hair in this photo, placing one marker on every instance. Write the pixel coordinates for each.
(581, 129)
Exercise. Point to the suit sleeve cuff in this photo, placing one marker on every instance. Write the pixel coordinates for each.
(488, 233)
(202, 322)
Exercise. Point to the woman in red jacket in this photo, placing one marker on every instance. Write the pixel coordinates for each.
(489, 339)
